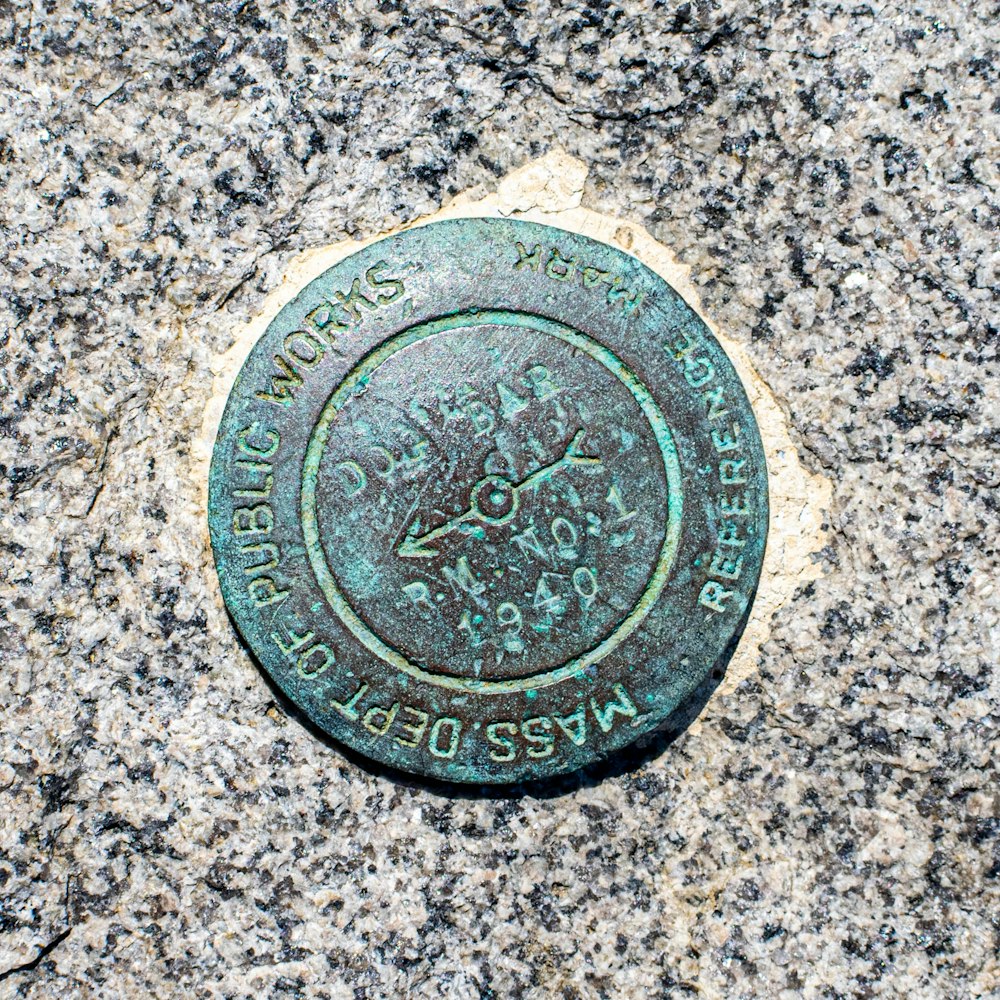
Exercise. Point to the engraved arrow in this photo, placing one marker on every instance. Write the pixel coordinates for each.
(416, 546)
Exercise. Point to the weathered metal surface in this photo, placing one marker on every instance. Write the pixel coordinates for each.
(488, 501)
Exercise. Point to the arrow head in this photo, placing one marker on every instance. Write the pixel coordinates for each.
(412, 548)
(573, 456)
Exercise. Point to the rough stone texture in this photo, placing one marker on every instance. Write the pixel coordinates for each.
(830, 173)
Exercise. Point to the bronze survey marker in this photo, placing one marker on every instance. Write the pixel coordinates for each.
(488, 501)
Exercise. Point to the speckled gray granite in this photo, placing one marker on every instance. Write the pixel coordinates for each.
(830, 172)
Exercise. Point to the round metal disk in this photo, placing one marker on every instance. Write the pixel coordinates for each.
(488, 501)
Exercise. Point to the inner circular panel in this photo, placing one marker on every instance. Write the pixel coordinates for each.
(491, 501)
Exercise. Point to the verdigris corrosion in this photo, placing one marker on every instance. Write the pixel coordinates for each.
(488, 501)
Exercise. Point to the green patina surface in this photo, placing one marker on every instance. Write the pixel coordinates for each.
(488, 501)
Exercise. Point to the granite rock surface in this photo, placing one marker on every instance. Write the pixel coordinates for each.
(831, 174)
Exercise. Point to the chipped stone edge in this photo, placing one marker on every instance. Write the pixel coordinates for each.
(550, 190)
